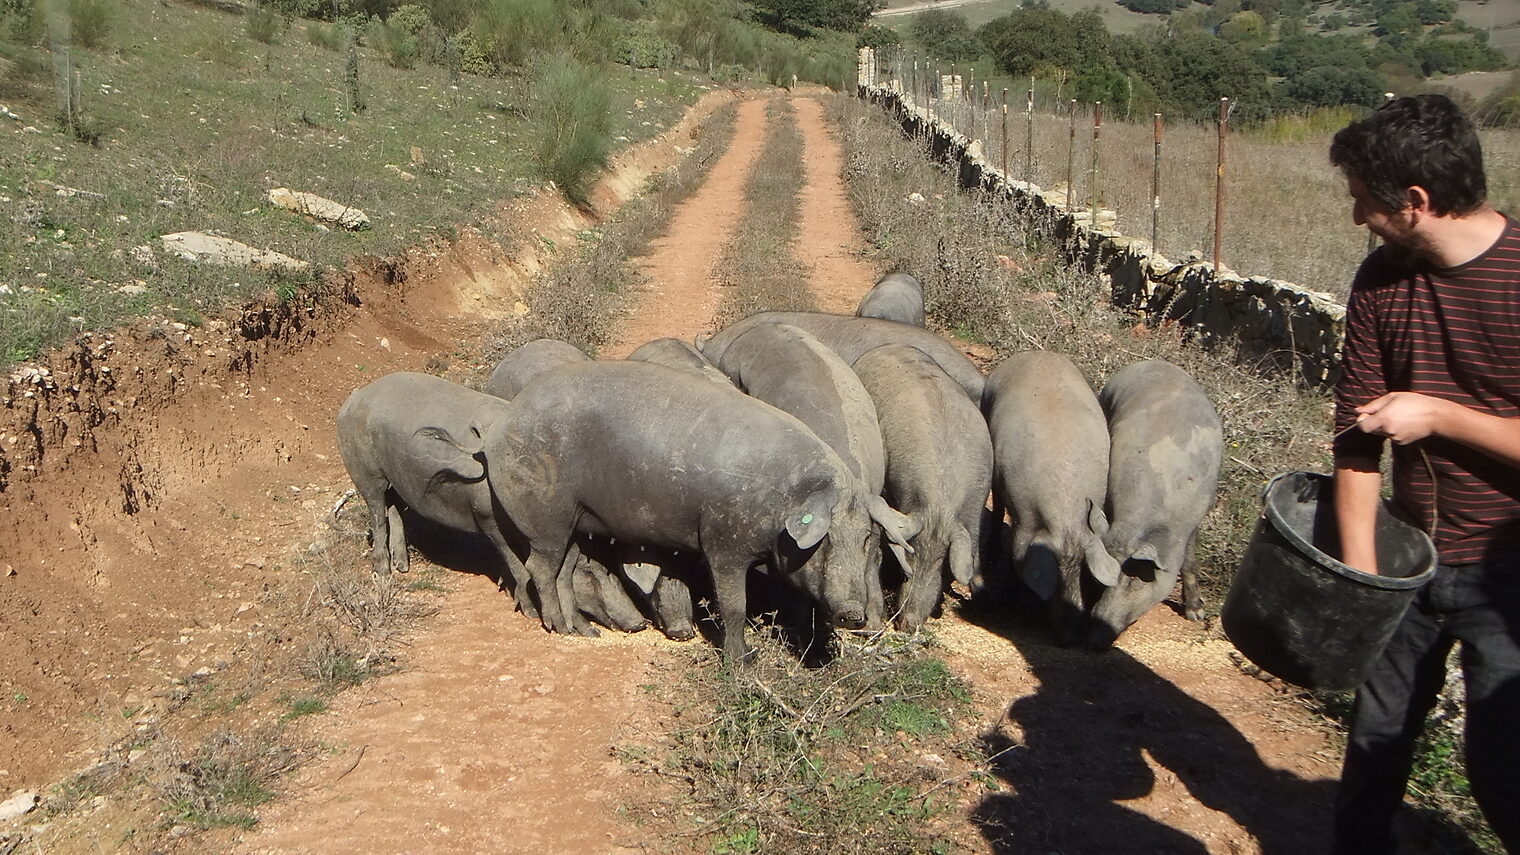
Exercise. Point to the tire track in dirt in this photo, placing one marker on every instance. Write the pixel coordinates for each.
(830, 243)
(681, 300)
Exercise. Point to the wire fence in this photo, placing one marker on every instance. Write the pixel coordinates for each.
(1255, 205)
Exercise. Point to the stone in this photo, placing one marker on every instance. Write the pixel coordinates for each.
(201, 247)
(18, 805)
(321, 208)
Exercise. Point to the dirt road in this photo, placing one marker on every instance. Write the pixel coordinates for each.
(139, 557)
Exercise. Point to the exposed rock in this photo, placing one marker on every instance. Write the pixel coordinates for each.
(18, 805)
(198, 246)
(321, 208)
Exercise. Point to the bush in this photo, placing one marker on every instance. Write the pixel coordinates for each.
(327, 36)
(262, 23)
(641, 46)
(573, 112)
(92, 21)
(510, 32)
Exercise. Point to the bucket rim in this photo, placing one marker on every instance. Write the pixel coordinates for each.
(1324, 559)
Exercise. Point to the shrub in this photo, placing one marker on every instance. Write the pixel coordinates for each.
(92, 21)
(511, 31)
(262, 23)
(641, 46)
(326, 36)
(573, 112)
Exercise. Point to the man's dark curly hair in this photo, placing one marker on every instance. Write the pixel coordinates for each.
(1422, 140)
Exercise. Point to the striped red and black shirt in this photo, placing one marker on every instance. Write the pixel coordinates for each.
(1451, 333)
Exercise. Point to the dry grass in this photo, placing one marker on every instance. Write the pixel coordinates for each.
(988, 279)
(758, 270)
(1287, 215)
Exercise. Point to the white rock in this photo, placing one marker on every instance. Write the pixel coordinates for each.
(313, 205)
(197, 246)
(20, 804)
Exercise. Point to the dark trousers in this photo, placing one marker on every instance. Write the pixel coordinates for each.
(1478, 605)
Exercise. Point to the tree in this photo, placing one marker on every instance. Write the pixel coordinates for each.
(803, 16)
(1332, 86)
(1029, 38)
(1244, 28)
(1198, 70)
(945, 35)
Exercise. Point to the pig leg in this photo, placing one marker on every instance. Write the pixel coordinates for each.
(519, 574)
(374, 493)
(543, 567)
(1192, 592)
(673, 609)
(733, 606)
(400, 561)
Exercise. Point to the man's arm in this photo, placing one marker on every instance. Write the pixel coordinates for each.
(1406, 417)
(1358, 489)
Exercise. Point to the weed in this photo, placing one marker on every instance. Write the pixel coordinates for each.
(572, 106)
(222, 781)
(303, 705)
(760, 270)
(262, 22)
(792, 759)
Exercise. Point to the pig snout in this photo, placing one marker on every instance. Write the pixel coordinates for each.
(850, 616)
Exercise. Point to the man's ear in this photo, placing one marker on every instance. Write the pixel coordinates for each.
(1418, 201)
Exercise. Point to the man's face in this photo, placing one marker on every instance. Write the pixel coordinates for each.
(1395, 227)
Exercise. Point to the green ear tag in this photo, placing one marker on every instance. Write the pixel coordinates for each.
(807, 518)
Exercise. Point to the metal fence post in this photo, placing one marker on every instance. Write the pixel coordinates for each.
(1071, 154)
(1029, 139)
(1156, 186)
(1224, 117)
(1092, 188)
(1005, 134)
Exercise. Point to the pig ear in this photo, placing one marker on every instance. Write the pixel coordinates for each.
(903, 561)
(1040, 570)
(962, 555)
(898, 526)
(1102, 566)
(643, 575)
(809, 523)
(1096, 519)
(450, 459)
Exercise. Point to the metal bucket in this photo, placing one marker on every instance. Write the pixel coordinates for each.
(1302, 615)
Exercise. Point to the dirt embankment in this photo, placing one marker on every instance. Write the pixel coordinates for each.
(155, 482)
(168, 495)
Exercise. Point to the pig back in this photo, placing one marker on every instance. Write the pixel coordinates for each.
(850, 337)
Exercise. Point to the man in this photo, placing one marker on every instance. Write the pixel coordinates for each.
(1432, 362)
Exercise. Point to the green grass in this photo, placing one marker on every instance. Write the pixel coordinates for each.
(197, 122)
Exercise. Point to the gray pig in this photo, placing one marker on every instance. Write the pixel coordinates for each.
(1050, 442)
(674, 353)
(896, 297)
(1163, 472)
(671, 597)
(851, 337)
(528, 361)
(939, 470)
(788, 369)
(600, 594)
(655, 456)
(387, 452)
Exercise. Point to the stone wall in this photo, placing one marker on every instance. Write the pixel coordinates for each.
(1278, 320)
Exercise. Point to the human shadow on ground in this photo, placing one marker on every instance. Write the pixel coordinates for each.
(1072, 753)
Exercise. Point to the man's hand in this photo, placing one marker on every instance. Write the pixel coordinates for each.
(1404, 417)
